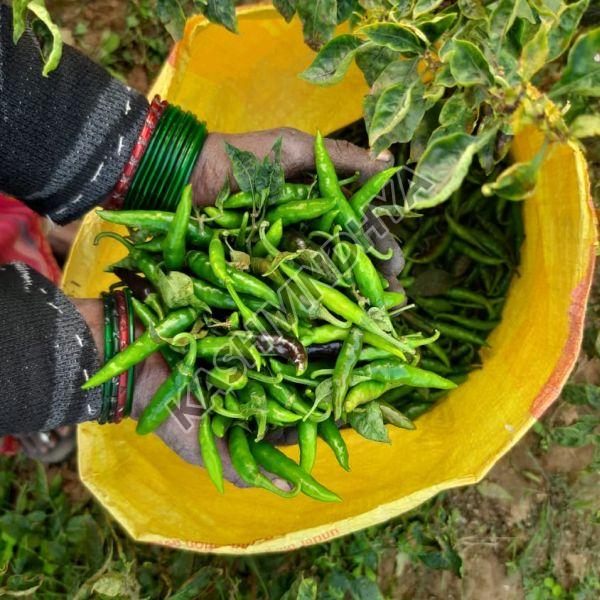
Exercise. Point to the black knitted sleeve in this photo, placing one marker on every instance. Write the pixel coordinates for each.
(65, 138)
(47, 353)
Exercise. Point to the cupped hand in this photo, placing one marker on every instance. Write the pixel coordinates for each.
(180, 431)
(297, 157)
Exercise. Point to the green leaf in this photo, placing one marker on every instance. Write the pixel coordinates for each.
(38, 8)
(372, 61)
(534, 54)
(423, 7)
(307, 590)
(363, 588)
(333, 60)
(487, 153)
(400, 9)
(433, 28)
(524, 11)
(319, 18)
(501, 20)
(324, 391)
(581, 394)
(586, 126)
(456, 110)
(396, 72)
(19, 8)
(472, 9)
(579, 433)
(203, 578)
(391, 108)
(223, 13)
(547, 8)
(442, 168)
(369, 423)
(468, 65)
(244, 165)
(172, 17)
(117, 585)
(422, 133)
(302, 589)
(582, 73)
(517, 181)
(404, 131)
(177, 290)
(345, 9)
(444, 77)
(394, 36)
(563, 29)
(286, 9)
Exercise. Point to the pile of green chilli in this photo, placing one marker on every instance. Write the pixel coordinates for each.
(271, 309)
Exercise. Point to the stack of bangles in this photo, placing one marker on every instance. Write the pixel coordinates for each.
(117, 393)
(162, 159)
(159, 168)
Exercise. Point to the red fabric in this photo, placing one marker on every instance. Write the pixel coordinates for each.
(22, 239)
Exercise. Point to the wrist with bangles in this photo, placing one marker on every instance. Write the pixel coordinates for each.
(162, 159)
(117, 393)
(158, 169)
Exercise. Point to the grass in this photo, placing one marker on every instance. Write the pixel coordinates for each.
(56, 541)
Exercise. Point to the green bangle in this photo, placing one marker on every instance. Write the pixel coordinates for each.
(168, 162)
(115, 350)
(173, 156)
(171, 159)
(152, 154)
(108, 354)
(187, 162)
(133, 198)
(130, 376)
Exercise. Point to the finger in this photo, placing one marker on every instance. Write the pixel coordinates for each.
(298, 155)
(383, 240)
(349, 158)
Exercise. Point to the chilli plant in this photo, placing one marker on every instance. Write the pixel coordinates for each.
(452, 80)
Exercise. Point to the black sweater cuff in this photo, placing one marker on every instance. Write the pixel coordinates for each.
(47, 354)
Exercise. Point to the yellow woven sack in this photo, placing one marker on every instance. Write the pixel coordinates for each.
(248, 82)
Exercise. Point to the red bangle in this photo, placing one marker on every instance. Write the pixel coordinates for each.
(124, 341)
(155, 111)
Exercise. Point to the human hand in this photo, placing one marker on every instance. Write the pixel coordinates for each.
(297, 156)
(180, 431)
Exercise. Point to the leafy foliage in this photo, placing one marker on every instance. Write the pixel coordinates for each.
(54, 546)
(487, 57)
(451, 78)
(369, 423)
(39, 10)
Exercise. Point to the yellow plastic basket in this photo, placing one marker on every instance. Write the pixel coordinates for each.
(247, 82)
